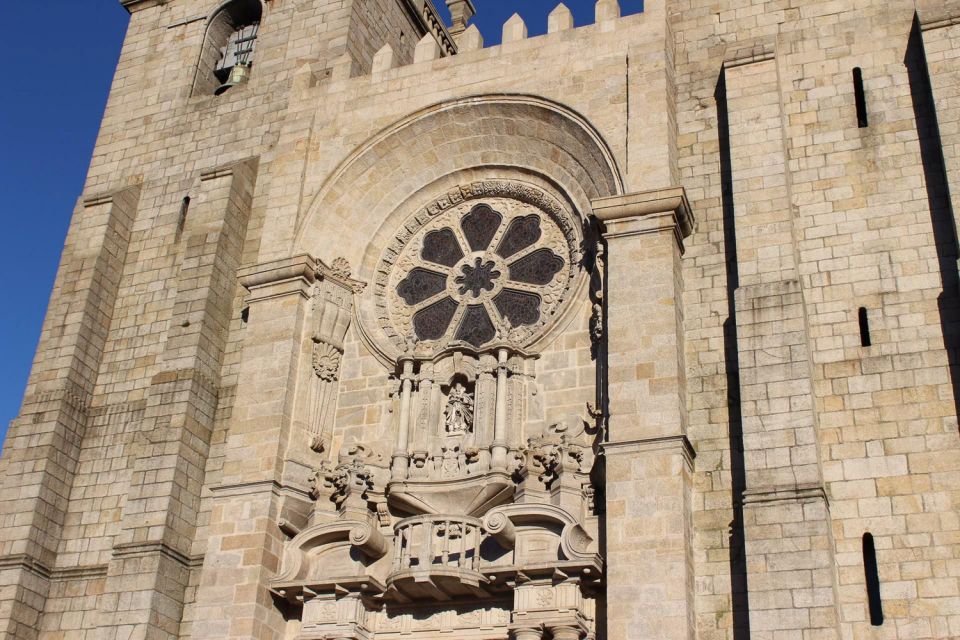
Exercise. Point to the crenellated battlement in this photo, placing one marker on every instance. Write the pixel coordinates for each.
(430, 56)
(514, 30)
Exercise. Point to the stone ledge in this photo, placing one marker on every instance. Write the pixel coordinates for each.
(25, 562)
(663, 443)
(646, 212)
(136, 5)
(750, 52)
(279, 277)
(126, 550)
(797, 493)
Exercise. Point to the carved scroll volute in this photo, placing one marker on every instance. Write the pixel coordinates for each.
(332, 313)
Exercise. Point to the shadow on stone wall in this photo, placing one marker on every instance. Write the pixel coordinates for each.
(737, 547)
(938, 197)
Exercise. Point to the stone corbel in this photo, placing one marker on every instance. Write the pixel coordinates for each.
(646, 212)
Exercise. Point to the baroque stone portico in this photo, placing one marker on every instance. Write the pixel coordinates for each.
(640, 329)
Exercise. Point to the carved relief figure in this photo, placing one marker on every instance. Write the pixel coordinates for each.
(459, 411)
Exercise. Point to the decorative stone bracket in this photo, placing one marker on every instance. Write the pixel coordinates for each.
(332, 312)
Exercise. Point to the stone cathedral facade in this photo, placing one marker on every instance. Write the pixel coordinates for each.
(645, 329)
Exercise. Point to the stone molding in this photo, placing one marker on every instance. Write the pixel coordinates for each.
(664, 443)
(750, 52)
(136, 5)
(279, 278)
(257, 488)
(86, 572)
(126, 550)
(646, 212)
(25, 562)
(939, 18)
(798, 493)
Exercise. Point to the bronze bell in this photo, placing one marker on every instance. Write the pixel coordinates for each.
(239, 74)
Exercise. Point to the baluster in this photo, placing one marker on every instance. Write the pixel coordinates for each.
(445, 552)
(463, 545)
(398, 550)
(426, 549)
(477, 540)
(407, 541)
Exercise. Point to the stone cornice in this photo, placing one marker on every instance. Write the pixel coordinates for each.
(646, 212)
(792, 493)
(664, 443)
(136, 5)
(934, 20)
(286, 276)
(749, 52)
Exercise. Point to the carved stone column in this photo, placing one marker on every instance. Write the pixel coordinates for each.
(527, 633)
(401, 456)
(648, 456)
(566, 632)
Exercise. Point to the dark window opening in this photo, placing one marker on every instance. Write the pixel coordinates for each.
(860, 97)
(873, 580)
(182, 220)
(245, 315)
(864, 327)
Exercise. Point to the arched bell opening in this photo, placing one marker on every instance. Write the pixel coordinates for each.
(229, 47)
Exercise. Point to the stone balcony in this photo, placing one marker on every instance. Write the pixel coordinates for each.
(437, 557)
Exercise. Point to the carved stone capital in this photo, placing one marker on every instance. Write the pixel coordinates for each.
(287, 276)
(646, 212)
(527, 632)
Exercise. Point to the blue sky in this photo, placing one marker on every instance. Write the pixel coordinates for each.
(59, 57)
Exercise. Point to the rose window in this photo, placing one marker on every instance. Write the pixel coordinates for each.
(486, 271)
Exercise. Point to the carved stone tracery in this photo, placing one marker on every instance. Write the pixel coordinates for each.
(492, 259)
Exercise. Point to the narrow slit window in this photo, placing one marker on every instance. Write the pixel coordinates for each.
(245, 315)
(873, 580)
(864, 327)
(861, 97)
(182, 220)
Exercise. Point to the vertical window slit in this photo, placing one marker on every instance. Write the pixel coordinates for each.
(873, 580)
(182, 220)
(864, 327)
(860, 97)
(245, 315)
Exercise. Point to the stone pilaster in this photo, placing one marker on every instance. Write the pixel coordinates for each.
(790, 560)
(648, 456)
(43, 443)
(246, 544)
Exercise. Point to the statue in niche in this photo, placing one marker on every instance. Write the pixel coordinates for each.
(459, 411)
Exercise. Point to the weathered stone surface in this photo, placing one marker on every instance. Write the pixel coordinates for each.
(643, 404)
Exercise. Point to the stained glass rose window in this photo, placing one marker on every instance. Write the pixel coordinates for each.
(484, 270)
